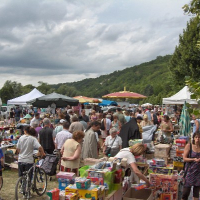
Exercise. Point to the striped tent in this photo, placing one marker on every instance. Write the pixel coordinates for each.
(185, 122)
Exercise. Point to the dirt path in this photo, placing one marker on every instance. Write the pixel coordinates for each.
(9, 182)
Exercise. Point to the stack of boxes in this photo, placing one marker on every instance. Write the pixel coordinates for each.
(178, 160)
(94, 192)
(162, 151)
(65, 179)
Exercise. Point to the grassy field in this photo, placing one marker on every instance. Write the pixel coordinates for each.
(9, 182)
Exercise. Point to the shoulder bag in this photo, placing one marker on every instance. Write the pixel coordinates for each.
(108, 149)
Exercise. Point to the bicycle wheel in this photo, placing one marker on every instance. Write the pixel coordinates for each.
(1, 182)
(20, 188)
(40, 181)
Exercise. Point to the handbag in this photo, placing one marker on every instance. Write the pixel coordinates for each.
(108, 149)
(102, 125)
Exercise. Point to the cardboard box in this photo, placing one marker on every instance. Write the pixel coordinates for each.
(83, 183)
(162, 150)
(53, 194)
(164, 158)
(164, 184)
(96, 180)
(93, 192)
(66, 175)
(144, 194)
(160, 170)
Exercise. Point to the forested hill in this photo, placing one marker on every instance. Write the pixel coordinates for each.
(150, 78)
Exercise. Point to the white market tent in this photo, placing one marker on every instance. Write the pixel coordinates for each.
(26, 97)
(180, 97)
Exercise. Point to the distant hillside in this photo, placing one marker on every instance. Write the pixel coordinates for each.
(150, 78)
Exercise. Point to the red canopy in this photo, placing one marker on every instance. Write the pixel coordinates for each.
(125, 94)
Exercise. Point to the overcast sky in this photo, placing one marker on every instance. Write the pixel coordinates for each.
(57, 41)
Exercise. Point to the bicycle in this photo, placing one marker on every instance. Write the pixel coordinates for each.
(37, 182)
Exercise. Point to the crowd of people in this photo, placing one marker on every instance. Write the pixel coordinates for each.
(77, 136)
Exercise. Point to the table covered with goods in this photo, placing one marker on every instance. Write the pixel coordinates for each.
(104, 179)
(10, 135)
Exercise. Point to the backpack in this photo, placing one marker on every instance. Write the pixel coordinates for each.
(49, 164)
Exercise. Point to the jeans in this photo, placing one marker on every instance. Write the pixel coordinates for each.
(22, 167)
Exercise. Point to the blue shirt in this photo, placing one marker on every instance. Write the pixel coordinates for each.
(1, 156)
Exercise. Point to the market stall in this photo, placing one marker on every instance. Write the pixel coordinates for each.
(104, 179)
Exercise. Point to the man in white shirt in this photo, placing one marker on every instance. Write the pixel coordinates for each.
(62, 136)
(36, 119)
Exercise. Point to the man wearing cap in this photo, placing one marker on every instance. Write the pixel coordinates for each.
(76, 125)
(58, 128)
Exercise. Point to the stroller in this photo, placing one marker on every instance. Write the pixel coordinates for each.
(49, 164)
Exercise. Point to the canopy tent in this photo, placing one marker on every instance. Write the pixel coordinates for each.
(108, 103)
(54, 98)
(124, 94)
(22, 100)
(83, 99)
(180, 97)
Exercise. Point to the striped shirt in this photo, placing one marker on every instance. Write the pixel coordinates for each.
(61, 137)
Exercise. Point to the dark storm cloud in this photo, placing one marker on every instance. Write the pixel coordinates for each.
(55, 38)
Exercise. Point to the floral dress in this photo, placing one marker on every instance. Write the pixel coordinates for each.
(193, 174)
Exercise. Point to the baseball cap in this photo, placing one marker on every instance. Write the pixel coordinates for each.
(62, 121)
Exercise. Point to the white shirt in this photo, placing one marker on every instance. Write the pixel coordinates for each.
(33, 121)
(125, 153)
(109, 140)
(27, 144)
(61, 137)
(108, 124)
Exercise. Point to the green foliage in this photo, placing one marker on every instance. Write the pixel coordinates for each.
(148, 78)
(67, 90)
(186, 60)
(194, 87)
(10, 90)
(45, 88)
(192, 8)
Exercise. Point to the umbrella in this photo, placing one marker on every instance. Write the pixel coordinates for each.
(83, 99)
(124, 94)
(185, 121)
(27, 116)
(54, 98)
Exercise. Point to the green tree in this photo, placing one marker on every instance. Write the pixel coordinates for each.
(148, 91)
(186, 60)
(67, 90)
(27, 88)
(44, 87)
(10, 90)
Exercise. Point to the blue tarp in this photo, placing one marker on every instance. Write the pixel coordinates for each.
(108, 103)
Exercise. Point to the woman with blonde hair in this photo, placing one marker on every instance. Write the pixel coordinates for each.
(130, 153)
(93, 116)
